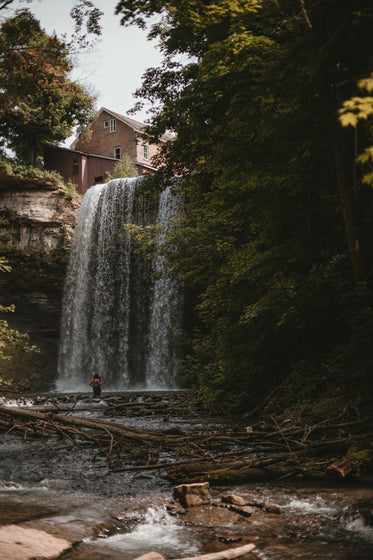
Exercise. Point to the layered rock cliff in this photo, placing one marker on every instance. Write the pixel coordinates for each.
(37, 216)
(37, 219)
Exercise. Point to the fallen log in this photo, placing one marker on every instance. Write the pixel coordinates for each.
(228, 554)
(274, 467)
(214, 457)
(104, 425)
(120, 430)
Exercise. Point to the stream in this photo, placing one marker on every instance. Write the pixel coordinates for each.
(116, 514)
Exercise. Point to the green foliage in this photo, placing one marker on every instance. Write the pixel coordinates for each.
(263, 245)
(13, 343)
(38, 102)
(123, 168)
(19, 169)
(144, 239)
(4, 267)
(359, 109)
(70, 190)
(16, 352)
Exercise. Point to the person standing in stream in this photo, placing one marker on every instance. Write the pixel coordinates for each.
(96, 385)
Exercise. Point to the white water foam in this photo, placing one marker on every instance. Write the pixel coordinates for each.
(356, 524)
(159, 532)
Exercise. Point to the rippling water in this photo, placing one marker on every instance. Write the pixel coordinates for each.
(70, 491)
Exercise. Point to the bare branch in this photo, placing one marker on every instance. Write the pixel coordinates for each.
(305, 15)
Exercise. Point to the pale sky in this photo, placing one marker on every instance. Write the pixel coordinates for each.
(115, 67)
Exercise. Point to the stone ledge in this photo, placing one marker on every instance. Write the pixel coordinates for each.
(28, 182)
(20, 543)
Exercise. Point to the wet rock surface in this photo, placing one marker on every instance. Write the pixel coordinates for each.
(114, 514)
(192, 495)
(20, 543)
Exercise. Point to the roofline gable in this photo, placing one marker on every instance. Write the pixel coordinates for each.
(137, 126)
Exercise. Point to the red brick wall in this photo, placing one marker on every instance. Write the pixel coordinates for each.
(99, 140)
(152, 150)
(89, 168)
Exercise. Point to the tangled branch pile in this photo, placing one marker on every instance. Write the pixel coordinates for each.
(263, 451)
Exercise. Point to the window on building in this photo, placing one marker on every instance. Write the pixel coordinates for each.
(99, 179)
(146, 152)
(106, 124)
(75, 166)
(117, 153)
(113, 125)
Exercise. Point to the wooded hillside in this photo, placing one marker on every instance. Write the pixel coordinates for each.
(276, 244)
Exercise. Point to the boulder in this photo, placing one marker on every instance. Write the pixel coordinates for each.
(234, 499)
(270, 507)
(190, 495)
(20, 543)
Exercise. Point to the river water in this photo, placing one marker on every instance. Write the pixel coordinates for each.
(111, 513)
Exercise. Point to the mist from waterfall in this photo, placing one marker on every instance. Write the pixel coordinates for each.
(120, 310)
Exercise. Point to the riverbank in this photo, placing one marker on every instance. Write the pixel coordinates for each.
(109, 508)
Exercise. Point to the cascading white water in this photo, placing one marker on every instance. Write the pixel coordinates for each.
(119, 311)
(166, 301)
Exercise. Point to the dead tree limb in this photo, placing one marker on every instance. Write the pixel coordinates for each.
(228, 554)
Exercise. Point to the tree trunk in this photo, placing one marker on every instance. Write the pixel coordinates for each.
(347, 197)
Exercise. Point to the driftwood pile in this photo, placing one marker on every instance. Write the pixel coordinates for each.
(262, 451)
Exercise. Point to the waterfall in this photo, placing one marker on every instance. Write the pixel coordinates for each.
(119, 309)
(166, 298)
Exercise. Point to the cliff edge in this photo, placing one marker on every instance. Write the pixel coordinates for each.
(37, 219)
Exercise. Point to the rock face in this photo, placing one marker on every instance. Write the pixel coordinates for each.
(37, 217)
(19, 543)
(37, 221)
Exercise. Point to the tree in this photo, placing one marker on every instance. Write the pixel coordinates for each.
(84, 13)
(278, 227)
(123, 168)
(17, 355)
(38, 102)
(356, 110)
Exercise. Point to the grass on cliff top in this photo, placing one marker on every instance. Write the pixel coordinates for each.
(19, 169)
(16, 168)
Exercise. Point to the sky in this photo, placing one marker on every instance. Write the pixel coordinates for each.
(115, 67)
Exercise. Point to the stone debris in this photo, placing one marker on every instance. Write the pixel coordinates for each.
(234, 499)
(228, 539)
(267, 507)
(245, 511)
(194, 494)
(20, 543)
(270, 507)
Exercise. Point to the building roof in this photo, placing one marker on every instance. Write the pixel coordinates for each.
(86, 154)
(137, 126)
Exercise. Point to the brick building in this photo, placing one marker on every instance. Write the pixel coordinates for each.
(94, 154)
